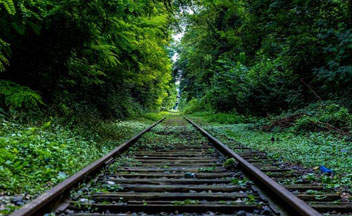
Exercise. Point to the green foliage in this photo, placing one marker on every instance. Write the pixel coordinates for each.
(170, 100)
(34, 157)
(193, 105)
(221, 118)
(229, 86)
(107, 56)
(154, 116)
(262, 57)
(14, 96)
(336, 73)
(309, 149)
(109, 188)
(326, 116)
(207, 169)
(230, 162)
(241, 182)
(323, 116)
(9, 6)
(227, 118)
(3, 50)
(186, 202)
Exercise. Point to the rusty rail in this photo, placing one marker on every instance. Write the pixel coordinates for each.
(289, 198)
(40, 203)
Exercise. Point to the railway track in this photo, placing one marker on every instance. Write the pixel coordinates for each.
(298, 180)
(173, 170)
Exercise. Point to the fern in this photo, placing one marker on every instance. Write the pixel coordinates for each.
(9, 6)
(107, 53)
(16, 96)
(3, 59)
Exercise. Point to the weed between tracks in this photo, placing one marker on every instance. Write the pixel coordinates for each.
(153, 140)
(241, 182)
(177, 138)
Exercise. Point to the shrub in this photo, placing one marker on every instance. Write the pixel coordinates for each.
(221, 118)
(154, 116)
(192, 106)
(335, 115)
(306, 123)
(15, 96)
(324, 116)
(226, 118)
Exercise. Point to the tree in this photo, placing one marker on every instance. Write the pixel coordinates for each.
(257, 56)
(80, 54)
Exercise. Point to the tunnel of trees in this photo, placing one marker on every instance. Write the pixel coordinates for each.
(80, 77)
(113, 58)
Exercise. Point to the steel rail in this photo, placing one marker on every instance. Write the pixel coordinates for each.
(39, 203)
(289, 198)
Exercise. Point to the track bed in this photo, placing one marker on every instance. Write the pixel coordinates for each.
(177, 170)
(178, 174)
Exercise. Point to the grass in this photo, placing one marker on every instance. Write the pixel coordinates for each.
(154, 139)
(310, 150)
(220, 118)
(186, 202)
(36, 156)
(155, 116)
(304, 147)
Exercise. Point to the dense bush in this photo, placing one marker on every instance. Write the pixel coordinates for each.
(193, 105)
(226, 118)
(221, 118)
(17, 97)
(328, 116)
(321, 116)
(106, 56)
(154, 116)
(262, 57)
